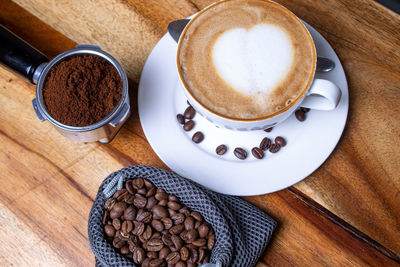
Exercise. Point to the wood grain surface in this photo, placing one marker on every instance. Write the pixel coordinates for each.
(345, 213)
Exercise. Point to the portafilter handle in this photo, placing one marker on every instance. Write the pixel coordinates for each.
(20, 57)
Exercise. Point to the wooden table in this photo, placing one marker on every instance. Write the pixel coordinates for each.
(346, 213)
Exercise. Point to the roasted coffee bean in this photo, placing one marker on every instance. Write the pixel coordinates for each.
(157, 225)
(196, 215)
(210, 241)
(143, 216)
(147, 183)
(118, 242)
(240, 153)
(189, 223)
(151, 192)
(124, 236)
(280, 141)
(151, 202)
(117, 210)
(221, 149)
(105, 217)
(257, 153)
(203, 230)
(167, 240)
(130, 200)
(130, 214)
(178, 242)
(190, 264)
(140, 201)
(188, 125)
(146, 262)
(184, 252)
(155, 244)
(274, 148)
(178, 218)
(171, 212)
(109, 230)
(164, 253)
(300, 115)
(138, 256)
(137, 183)
(173, 198)
(268, 129)
(180, 264)
(265, 143)
(180, 118)
(176, 229)
(159, 212)
(198, 137)
(167, 223)
(197, 224)
(132, 246)
(127, 227)
(119, 192)
(201, 242)
(138, 228)
(192, 235)
(147, 234)
(161, 195)
(189, 113)
(194, 255)
(124, 250)
(185, 211)
(142, 191)
(123, 195)
(163, 202)
(129, 187)
(116, 223)
(305, 109)
(109, 203)
(156, 262)
(156, 235)
(152, 254)
(202, 254)
(173, 258)
(174, 205)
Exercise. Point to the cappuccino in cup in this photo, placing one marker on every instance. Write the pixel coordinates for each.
(246, 59)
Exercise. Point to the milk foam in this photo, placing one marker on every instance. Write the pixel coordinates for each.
(253, 61)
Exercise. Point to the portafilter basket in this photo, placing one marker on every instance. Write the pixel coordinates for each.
(34, 66)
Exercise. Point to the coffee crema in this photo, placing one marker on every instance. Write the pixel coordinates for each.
(246, 59)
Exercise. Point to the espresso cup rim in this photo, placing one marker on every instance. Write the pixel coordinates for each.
(272, 115)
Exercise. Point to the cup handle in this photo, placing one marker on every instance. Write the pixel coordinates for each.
(323, 95)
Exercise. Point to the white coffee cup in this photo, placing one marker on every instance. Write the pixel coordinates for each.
(320, 94)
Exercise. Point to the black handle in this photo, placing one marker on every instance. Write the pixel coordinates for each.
(18, 55)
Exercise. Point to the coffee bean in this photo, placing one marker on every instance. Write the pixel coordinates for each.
(190, 264)
(173, 258)
(116, 223)
(189, 223)
(265, 143)
(151, 192)
(198, 137)
(176, 229)
(123, 195)
(138, 256)
(174, 205)
(130, 214)
(188, 125)
(156, 262)
(172, 212)
(180, 264)
(137, 183)
(156, 235)
(108, 205)
(164, 253)
(147, 183)
(124, 250)
(305, 109)
(200, 242)
(167, 223)
(203, 230)
(268, 129)
(189, 113)
(221, 149)
(138, 228)
(159, 212)
(127, 227)
(146, 262)
(147, 234)
(197, 224)
(152, 255)
(210, 241)
(185, 211)
(280, 141)
(143, 216)
(173, 198)
(300, 115)
(118, 243)
(155, 244)
(140, 201)
(180, 118)
(117, 210)
(157, 225)
(161, 195)
(129, 187)
(167, 240)
(178, 218)
(105, 217)
(142, 191)
(194, 255)
(178, 242)
(163, 202)
(119, 192)
(192, 235)
(130, 200)
(274, 148)
(196, 215)
(257, 152)
(240, 153)
(184, 253)
(109, 230)
(202, 254)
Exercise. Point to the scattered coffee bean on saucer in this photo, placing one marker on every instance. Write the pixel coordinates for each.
(300, 115)
(198, 137)
(280, 141)
(305, 109)
(221, 149)
(265, 143)
(268, 129)
(188, 125)
(274, 148)
(257, 153)
(189, 113)
(180, 118)
(240, 153)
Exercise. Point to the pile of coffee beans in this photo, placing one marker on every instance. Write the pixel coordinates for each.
(188, 124)
(152, 228)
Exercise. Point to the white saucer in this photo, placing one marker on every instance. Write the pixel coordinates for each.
(309, 143)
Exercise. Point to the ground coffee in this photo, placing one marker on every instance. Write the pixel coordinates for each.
(81, 90)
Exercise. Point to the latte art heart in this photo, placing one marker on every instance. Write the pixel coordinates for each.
(253, 61)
